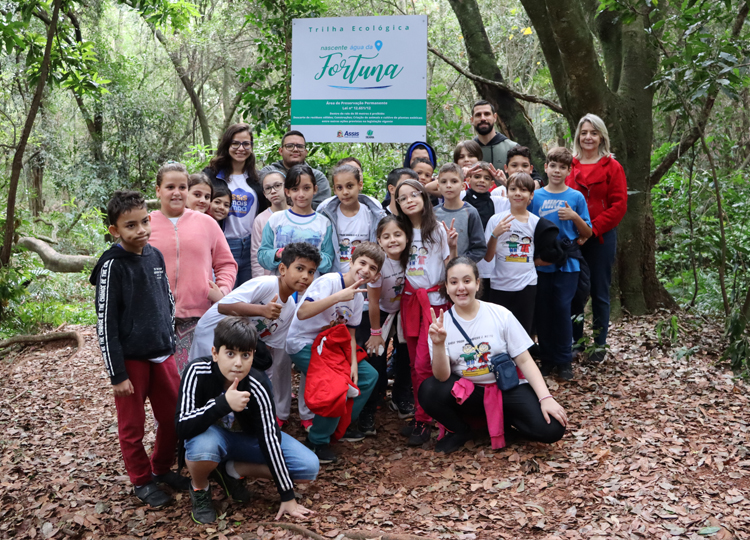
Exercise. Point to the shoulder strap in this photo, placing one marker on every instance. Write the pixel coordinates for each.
(466, 337)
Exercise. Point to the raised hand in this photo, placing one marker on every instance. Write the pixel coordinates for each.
(503, 226)
(351, 291)
(567, 213)
(237, 400)
(437, 331)
(272, 310)
(499, 176)
(452, 234)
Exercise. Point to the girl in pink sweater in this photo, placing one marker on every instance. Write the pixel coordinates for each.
(193, 247)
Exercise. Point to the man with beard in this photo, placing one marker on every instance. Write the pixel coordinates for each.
(494, 145)
(293, 150)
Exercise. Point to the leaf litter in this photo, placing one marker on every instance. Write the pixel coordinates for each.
(657, 448)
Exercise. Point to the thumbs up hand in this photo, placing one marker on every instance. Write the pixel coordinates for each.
(237, 400)
(567, 213)
(272, 310)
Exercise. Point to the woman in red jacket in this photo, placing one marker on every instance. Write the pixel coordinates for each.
(602, 182)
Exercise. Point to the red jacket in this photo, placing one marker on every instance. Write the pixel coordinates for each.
(329, 376)
(605, 190)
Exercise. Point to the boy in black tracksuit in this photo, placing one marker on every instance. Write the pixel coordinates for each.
(135, 328)
(227, 420)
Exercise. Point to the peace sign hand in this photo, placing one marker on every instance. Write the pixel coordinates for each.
(503, 226)
(498, 175)
(452, 234)
(350, 292)
(437, 331)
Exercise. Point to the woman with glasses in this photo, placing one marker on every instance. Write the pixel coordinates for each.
(234, 167)
(273, 189)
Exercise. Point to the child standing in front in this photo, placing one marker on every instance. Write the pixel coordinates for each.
(334, 299)
(471, 242)
(196, 254)
(354, 216)
(510, 251)
(227, 420)
(566, 208)
(432, 246)
(385, 303)
(273, 188)
(135, 325)
(300, 223)
(478, 195)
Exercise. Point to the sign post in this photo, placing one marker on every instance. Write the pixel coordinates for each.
(360, 79)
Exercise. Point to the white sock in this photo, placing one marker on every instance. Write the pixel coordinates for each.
(197, 489)
(231, 471)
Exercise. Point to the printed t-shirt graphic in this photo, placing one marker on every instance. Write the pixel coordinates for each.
(239, 222)
(427, 263)
(352, 231)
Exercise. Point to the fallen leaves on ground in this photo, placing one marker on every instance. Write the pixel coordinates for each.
(657, 448)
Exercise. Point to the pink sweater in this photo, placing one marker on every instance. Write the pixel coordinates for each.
(192, 248)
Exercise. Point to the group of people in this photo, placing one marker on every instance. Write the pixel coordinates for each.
(205, 305)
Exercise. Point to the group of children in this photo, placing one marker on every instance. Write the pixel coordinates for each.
(331, 290)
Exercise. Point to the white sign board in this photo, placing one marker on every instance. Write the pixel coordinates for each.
(360, 79)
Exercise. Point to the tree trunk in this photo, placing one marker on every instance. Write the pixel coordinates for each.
(36, 198)
(482, 62)
(17, 164)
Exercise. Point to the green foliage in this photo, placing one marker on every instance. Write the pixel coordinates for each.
(738, 351)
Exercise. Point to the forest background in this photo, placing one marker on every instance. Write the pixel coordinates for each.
(96, 94)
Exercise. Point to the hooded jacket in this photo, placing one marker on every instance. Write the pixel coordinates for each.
(410, 151)
(324, 188)
(496, 152)
(134, 308)
(202, 402)
(606, 191)
(329, 208)
(192, 248)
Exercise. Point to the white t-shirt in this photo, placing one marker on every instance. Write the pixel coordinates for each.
(352, 231)
(501, 205)
(494, 330)
(303, 333)
(427, 263)
(391, 284)
(513, 267)
(260, 290)
(239, 222)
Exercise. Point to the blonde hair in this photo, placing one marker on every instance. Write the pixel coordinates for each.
(599, 126)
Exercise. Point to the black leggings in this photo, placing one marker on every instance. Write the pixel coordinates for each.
(521, 409)
(519, 303)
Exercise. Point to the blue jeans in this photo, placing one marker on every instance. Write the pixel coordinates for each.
(554, 294)
(218, 444)
(240, 248)
(600, 258)
(323, 426)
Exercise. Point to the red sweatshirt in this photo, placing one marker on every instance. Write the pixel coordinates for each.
(605, 188)
(192, 249)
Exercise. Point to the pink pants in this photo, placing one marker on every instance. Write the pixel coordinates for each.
(160, 384)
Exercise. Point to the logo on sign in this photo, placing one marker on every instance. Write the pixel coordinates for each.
(340, 134)
(369, 134)
(347, 134)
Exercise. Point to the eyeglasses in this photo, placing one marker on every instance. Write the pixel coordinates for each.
(413, 195)
(273, 187)
(292, 146)
(246, 145)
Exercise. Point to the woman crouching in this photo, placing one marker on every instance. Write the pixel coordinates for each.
(472, 379)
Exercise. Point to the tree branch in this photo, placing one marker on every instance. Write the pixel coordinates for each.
(693, 135)
(25, 134)
(43, 338)
(54, 261)
(518, 95)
